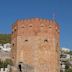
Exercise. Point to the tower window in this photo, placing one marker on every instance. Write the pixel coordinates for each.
(42, 25)
(14, 29)
(13, 44)
(56, 50)
(30, 26)
(26, 40)
(49, 26)
(45, 40)
(22, 27)
(13, 57)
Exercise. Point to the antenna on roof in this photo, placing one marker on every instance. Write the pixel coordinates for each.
(53, 17)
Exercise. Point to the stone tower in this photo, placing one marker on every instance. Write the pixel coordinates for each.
(35, 45)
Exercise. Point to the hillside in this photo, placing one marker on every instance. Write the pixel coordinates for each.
(5, 38)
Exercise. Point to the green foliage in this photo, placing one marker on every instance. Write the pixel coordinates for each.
(1, 64)
(4, 64)
(70, 52)
(8, 61)
(5, 38)
(68, 70)
(67, 67)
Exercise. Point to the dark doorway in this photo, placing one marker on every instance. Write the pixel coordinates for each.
(20, 67)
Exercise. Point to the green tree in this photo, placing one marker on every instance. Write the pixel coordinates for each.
(8, 62)
(1, 64)
(70, 52)
(4, 64)
(68, 70)
(5, 38)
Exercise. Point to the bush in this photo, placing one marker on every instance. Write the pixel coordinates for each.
(5, 38)
(70, 52)
(9, 61)
(1, 64)
(69, 70)
(4, 64)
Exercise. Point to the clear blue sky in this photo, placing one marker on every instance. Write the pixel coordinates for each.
(11, 10)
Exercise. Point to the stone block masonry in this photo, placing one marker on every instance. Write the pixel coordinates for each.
(35, 45)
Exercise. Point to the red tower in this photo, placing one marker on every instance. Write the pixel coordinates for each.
(35, 45)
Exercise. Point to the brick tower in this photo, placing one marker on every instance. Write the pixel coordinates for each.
(35, 45)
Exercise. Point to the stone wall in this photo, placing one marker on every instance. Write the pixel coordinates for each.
(4, 70)
(35, 42)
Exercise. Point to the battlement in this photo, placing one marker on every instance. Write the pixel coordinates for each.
(35, 21)
(37, 25)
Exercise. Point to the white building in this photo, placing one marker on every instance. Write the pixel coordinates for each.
(5, 47)
(5, 69)
(65, 49)
(5, 51)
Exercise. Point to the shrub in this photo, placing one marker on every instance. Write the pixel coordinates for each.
(4, 64)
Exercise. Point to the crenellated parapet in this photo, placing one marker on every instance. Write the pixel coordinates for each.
(36, 25)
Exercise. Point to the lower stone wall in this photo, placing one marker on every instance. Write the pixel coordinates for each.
(4, 69)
